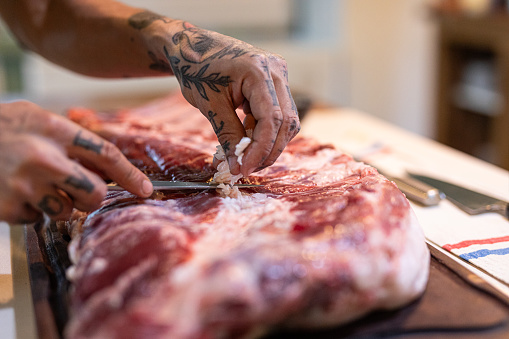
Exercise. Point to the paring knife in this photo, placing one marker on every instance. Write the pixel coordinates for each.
(414, 190)
(467, 200)
(417, 191)
(180, 185)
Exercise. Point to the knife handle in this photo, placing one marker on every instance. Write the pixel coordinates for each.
(502, 208)
(418, 191)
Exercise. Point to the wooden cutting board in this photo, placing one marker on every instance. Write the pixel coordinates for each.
(456, 303)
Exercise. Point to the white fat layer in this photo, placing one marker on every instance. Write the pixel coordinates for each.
(240, 147)
(98, 265)
(223, 175)
(219, 155)
(321, 169)
(407, 281)
(254, 217)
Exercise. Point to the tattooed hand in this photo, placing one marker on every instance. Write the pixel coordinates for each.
(49, 164)
(218, 74)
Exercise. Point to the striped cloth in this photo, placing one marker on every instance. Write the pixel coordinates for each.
(491, 254)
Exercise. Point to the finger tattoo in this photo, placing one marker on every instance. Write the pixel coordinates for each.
(294, 107)
(88, 144)
(293, 125)
(217, 128)
(226, 146)
(285, 72)
(51, 205)
(270, 84)
(80, 183)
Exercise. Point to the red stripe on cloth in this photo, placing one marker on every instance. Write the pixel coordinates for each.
(467, 243)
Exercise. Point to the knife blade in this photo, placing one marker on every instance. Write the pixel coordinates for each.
(469, 201)
(162, 185)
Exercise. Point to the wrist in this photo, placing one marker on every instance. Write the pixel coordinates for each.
(160, 36)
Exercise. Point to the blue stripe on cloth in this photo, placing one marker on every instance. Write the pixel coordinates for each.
(484, 253)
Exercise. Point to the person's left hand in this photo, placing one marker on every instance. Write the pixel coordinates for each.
(49, 164)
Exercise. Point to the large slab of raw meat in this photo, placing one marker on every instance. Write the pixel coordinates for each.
(325, 241)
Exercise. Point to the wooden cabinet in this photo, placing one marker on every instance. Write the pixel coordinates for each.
(464, 40)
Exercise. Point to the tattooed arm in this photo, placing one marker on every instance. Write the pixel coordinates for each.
(49, 164)
(91, 37)
(217, 73)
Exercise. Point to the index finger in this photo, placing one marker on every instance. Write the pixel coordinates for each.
(100, 155)
(265, 109)
(274, 110)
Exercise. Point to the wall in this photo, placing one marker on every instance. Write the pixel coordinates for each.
(392, 46)
(373, 55)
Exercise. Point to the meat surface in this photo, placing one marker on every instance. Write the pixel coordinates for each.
(323, 242)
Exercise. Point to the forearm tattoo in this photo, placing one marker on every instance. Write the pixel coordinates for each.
(51, 205)
(88, 144)
(158, 64)
(144, 19)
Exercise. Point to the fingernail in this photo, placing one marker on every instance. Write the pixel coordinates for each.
(249, 171)
(231, 162)
(147, 187)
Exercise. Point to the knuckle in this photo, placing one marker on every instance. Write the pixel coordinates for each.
(269, 162)
(93, 200)
(278, 61)
(53, 123)
(66, 211)
(111, 154)
(19, 188)
(26, 106)
(277, 118)
(275, 57)
(10, 211)
(36, 153)
(98, 195)
(293, 126)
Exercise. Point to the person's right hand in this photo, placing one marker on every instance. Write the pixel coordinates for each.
(49, 164)
(218, 74)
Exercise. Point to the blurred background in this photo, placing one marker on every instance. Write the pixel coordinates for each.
(436, 68)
